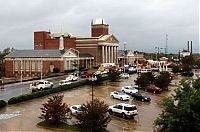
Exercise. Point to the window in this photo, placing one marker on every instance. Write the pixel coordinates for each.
(27, 65)
(130, 108)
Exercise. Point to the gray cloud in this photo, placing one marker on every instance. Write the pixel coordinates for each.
(141, 23)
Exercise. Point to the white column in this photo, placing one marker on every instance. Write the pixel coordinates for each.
(106, 58)
(108, 54)
(102, 53)
(112, 56)
(116, 52)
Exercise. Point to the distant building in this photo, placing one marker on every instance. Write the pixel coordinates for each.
(128, 57)
(1, 65)
(185, 53)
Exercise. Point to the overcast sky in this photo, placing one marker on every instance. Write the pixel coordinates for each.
(142, 24)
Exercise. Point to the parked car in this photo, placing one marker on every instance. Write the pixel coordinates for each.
(132, 69)
(119, 95)
(129, 89)
(141, 97)
(144, 70)
(124, 110)
(187, 73)
(75, 109)
(40, 85)
(153, 89)
(124, 75)
(72, 78)
(85, 74)
(64, 82)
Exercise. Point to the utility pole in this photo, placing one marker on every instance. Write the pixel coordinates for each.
(166, 47)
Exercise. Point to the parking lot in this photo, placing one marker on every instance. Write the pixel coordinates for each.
(24, 116)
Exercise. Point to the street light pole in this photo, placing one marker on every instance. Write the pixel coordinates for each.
(78, 61)
(92, 79)
(21, 74)
(41, 68)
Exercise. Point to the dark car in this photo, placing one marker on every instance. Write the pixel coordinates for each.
(85, 74)
(187, 73)
(153, 89)
(141, 97)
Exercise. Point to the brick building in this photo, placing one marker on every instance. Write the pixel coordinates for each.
(101, 45)
(37, 62)
(64, 51)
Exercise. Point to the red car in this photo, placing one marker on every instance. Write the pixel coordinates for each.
(153, 89)
(85, 74)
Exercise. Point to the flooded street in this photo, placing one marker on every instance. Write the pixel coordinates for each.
(24, 116)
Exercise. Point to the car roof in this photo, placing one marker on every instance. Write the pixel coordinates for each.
(124, 104)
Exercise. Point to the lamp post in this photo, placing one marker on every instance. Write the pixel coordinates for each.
(41, 68)
(92, 79)
(21, 73)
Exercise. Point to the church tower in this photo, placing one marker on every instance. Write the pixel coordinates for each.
(99, 27)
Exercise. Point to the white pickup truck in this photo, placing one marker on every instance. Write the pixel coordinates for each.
(40, 85)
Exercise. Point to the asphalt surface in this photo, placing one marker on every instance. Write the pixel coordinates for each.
(16, 89)
(24, 116)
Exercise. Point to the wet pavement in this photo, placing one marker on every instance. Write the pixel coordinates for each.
(24, 116)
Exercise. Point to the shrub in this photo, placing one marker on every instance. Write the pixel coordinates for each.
(2, 103)
(54, 111)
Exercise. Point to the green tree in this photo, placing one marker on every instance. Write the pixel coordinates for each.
(7, 51)
(163, 80)
(113, 74)
(94, 116)
(145, 79)
(54, 111)
(181, 111)
(176, 69)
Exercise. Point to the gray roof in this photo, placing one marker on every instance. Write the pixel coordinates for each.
(54, 53)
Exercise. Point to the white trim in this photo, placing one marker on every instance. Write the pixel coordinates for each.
(108, 44)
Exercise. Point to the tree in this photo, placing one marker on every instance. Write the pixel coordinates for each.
(6, 51)
(163, 80)
(176, 69)
(94, 116)
(181, 111)
(145, 79)
(54, 111)
(113, 74)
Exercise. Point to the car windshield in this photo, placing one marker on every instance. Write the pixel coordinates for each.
(121, 93)
(130, 108)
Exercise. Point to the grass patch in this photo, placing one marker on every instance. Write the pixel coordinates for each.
(62, 126)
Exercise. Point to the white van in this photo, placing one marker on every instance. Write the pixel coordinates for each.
(40, 85)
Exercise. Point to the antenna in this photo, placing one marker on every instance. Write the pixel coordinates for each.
(166, 48)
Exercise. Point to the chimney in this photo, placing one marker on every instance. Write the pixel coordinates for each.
(61, 46)
(188, 48)
(191, 48)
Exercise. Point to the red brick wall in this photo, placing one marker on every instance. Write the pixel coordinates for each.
(98, 30)
(52, 44)
(8, 68)
(69, 43)
(42, 40)
(39, 39)
(57, 64)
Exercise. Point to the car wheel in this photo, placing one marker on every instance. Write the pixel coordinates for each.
(110, 112)
(121, 99)
(123, 116)
(113, 97)
(123, 91)
(130, 92)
